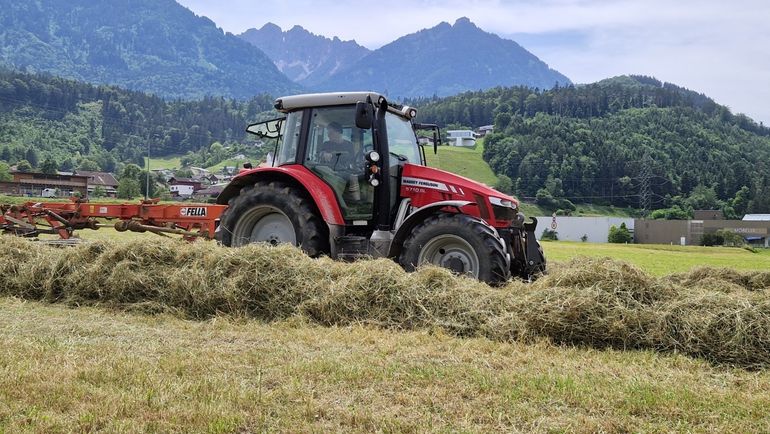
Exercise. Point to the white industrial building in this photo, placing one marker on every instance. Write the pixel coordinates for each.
(595, 229)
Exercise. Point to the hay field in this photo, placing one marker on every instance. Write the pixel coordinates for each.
(174, 336)
(91, 369)
(719, 315)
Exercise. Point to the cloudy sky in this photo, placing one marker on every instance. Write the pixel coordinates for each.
(718, 47)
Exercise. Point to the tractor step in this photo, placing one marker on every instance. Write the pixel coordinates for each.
(352, 247)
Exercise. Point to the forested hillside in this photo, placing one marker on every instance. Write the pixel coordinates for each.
(43, 116)
(155, 46)
(626, 141)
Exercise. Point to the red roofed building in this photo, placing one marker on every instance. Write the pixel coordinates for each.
(184, 187)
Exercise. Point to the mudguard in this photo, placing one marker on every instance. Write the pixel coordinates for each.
(322, 194)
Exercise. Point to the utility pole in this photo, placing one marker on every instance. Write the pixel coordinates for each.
(147, 186)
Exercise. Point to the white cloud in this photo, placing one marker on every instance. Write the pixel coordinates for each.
(719, 48)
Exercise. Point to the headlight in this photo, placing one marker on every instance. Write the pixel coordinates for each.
(496, 201)
(503, 209)
(373, 156)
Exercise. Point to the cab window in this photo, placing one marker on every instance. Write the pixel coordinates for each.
(290, 131)
(401, 138)
(335, 152)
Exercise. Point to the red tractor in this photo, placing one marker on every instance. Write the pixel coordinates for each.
(347, 178)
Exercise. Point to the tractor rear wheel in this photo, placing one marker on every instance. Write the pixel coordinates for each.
(459, 242)
(272, 212)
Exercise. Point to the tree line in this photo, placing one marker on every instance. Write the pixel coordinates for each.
(78, 125)
(627, 141)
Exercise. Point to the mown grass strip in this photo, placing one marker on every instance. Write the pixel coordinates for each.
(719, 315)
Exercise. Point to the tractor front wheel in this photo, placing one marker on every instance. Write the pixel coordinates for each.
(272, 212)
(459, 242)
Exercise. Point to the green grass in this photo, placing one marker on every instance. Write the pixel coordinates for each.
(466, 162)
(590, 210)
(89, 369)
(169, 162)
(662, 259)
(583, 210)
(85, 369)
(174, 162)
(231, 162)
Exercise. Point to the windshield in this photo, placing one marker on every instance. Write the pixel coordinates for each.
(401, 138)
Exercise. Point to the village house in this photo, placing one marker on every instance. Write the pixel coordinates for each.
(484, 130)
(209, 194)
(218, 178)
(184, 187)
(36, 184)
(105, 180)
(425, 140)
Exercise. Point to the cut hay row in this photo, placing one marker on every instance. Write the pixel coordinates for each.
(720, 315)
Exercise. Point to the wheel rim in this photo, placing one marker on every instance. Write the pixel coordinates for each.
(452, 252)
(264, 224)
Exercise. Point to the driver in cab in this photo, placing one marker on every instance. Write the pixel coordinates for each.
(337, 151)
(343, 161)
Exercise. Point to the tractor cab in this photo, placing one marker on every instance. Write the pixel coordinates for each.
(329, 138)
(346, 177)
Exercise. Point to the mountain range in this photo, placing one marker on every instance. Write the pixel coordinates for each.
(443, 60)
(161, 47)
(446, 60)
(304, 57)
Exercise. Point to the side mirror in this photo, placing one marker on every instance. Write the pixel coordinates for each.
(364, 115)
(436, 134)
(270, 129)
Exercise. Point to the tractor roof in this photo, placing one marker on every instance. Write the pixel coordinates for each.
(288, 103)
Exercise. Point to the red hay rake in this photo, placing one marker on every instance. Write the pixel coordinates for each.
(191, 221)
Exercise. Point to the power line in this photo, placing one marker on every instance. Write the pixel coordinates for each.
(616, 196)
(645, 176)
